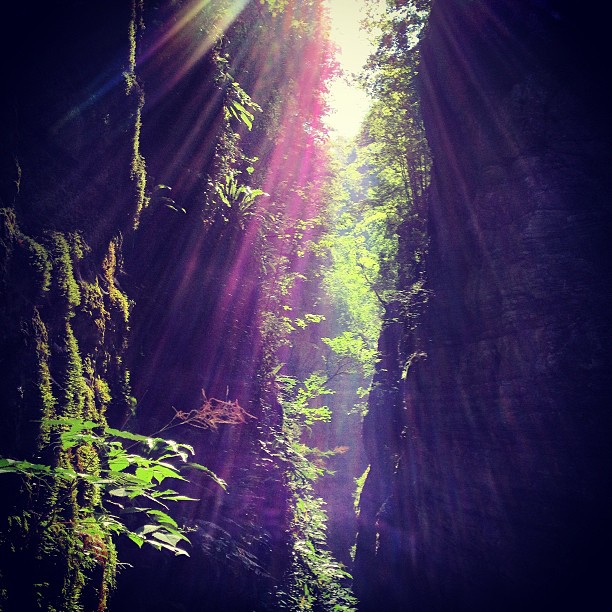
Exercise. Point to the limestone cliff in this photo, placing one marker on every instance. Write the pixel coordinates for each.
(501, 494)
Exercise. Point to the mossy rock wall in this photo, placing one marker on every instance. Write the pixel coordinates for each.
(69, 190)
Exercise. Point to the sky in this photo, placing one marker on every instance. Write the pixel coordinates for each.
(348, 102)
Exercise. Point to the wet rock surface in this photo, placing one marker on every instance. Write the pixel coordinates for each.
(501, 496)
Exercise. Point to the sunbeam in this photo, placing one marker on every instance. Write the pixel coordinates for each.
(348, 102)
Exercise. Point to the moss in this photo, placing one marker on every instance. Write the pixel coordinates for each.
(125, 387)
(15, 244)
(63, 272)
(39, 261)
(138, 167)
(102, 325)
(132, 40)
(359, 484)
(78, 548)
(78, 246)
(95, 311)
(74, 576)
(7, 233)
(48, 401)
(138, 171)
(91, 410)
(88, 462)
(98, 395)
(60, 550)
(110, 268)
(68, 536)
(109, 575)
(76, 560)
(73, 383)
(69, 318)
(102, 391)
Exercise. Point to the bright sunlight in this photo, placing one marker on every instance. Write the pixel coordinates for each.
(348, 102)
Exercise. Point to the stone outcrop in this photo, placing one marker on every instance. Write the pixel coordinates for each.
(501, 495)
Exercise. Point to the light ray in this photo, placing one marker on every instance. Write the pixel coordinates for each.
(348, 102)
(182, 36)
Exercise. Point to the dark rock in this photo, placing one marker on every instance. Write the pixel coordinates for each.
(502, 494)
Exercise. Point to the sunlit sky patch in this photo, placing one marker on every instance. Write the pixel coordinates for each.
(348, 102)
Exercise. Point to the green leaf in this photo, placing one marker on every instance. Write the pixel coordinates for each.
(247, 120)
(126, 435)
(119, 492)
(23, 467)
(172, 539)
(119, 485)
(239, 106)
(90, 478)
(159, 545)
(147, 529)
(119, 464)
(203, 468)
(166, 470)
(181, 450)
(136, 539)
(180, 498)
(277, 369)
(162, 517)
(163, 494)
(133, 510)
(241, 113)
(145, 474)
(75, 425)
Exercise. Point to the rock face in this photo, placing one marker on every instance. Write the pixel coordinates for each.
(502, 492)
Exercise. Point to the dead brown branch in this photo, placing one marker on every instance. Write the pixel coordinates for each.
(214, 412)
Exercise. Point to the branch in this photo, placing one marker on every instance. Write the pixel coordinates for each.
(214, 412)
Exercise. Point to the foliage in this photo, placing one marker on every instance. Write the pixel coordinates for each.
(393, 160)
(275, 6)
(351, 345)
(65, 283)
(298, 397)
(359, 483)
(237, 100)
(237, 104)
(374, 252)
(281, 228)
(315, 580)
(350, 253)
(134, 90)
(238, 198)
(230, 199)
(14, 241)
(318, 580)
(127, 485)
(347, 280)
(398, 29)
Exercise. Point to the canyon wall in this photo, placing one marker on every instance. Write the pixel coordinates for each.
(501, 493)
